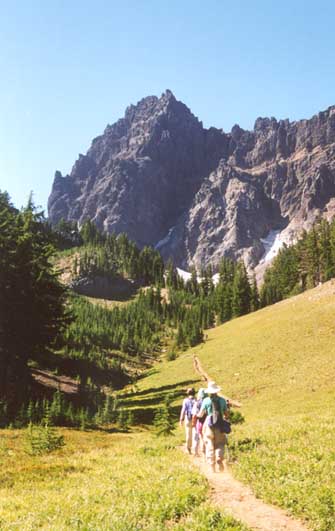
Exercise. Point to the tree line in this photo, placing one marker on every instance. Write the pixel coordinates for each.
(110, 255)
(198, 303)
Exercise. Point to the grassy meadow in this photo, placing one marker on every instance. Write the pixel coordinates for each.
(279, 363)
(104, 481)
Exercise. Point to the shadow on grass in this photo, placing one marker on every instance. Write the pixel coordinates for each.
(149, 390)
(146, 416)
(145, 408)
(84, 368)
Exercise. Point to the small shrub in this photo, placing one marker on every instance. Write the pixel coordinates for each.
(171, 355)
(43, 439)
(83, 420)
(122, 419)
(236, 417)
(163, 420)
(242, 446)
(130, 418)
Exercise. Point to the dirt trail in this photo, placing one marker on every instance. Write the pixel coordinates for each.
(238, 500)
(205, 376)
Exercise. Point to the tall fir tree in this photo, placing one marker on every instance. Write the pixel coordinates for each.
(32, 300)
(254, 295)
(241, 291)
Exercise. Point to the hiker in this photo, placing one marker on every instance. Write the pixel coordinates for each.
(186, 417)
(198, 439)
(216, 410)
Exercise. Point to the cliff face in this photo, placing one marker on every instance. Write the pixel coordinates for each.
(142, 173)
(198, 194)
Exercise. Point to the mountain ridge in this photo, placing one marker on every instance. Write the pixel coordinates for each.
(198, 194)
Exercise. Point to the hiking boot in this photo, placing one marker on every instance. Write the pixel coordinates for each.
(221, 466)
(189, 450)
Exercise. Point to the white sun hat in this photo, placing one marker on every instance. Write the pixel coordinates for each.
(212, 388)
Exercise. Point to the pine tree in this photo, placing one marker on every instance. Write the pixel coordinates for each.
(130, 418)
(163, 420)
(108, 415)
(254, 295)
(194, 284)
(122, 419)
(241, 291)
(89, 233)
(327, 266)
(171, 280)
(32, 301)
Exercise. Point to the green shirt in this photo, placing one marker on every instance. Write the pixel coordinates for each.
(208, 408)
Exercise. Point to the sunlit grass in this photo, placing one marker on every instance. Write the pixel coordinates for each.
(100, 481)
(280, 364)
(291, 462)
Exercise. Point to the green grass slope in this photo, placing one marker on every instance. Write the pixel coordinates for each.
(280, 363)
(104, 482)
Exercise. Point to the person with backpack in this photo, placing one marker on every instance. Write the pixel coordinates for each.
(198, 439)
(215, 409)
(186, 417)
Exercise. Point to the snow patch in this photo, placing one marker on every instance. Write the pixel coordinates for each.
(165, 240)
(216, 278)
(185, 275)
(272, 243)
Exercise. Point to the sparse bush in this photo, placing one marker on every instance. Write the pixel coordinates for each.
(163, 420)
(236, 417)
(130, 418)
(122, 419)
(171, 355)
(43, 439)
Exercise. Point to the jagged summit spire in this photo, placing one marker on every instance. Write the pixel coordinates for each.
(168, 94)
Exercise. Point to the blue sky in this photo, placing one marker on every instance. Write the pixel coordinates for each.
(69, 67)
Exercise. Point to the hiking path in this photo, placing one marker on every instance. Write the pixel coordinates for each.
(238, 500)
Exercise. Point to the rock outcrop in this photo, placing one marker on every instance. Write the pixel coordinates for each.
(198, 194)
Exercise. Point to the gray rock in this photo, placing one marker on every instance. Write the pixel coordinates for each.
(159, 169)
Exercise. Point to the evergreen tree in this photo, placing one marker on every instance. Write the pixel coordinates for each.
(32, 301)
(171, 280)
(254, 295)
(108, 414)
(66, 234)
(163, 420)
(89, 233)
(327, 265)
(194, 285)
(241, 291)
(123, 419)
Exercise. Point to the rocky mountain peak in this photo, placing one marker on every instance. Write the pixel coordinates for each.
(198, 194)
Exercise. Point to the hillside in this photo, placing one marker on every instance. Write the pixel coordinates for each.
(271, 360)
(280, 363)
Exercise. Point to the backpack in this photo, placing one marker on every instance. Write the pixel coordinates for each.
(199, 402)
(216, 419)
(188, 408)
